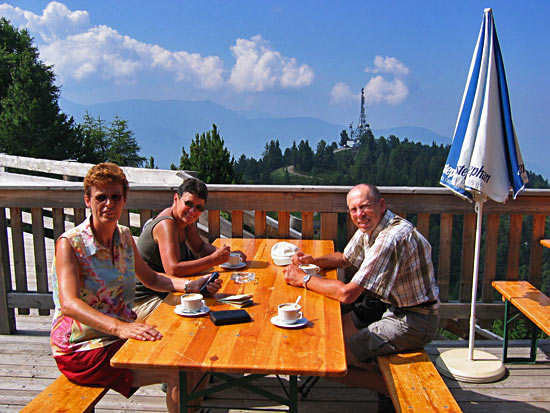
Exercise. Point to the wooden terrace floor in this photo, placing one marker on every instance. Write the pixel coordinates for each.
(26, 368)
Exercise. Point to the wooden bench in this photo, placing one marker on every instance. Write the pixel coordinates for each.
(531, 303)
(67, 397)
(414, 383)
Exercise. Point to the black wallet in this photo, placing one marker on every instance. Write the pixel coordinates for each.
(224, 317)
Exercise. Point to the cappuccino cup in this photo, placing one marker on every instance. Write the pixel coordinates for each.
(310, 269)
(289, 313)
(234, 259)
(192, 302)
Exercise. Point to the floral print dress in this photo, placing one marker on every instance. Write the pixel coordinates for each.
(106, 284)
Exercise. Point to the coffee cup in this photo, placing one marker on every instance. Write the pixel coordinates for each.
(234, 259)
(289, 313)
(192, 302)
(310, 269)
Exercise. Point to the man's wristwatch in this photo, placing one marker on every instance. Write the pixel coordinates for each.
(307, 277)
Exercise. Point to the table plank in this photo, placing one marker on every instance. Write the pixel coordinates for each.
(528, 300)
(196, 344)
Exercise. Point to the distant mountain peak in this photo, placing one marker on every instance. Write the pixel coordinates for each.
(162, 127)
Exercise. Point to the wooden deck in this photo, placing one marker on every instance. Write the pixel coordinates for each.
(26, 368)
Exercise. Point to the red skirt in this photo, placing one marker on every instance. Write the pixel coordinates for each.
(93, 367)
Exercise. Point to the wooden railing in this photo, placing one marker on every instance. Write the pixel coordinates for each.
(51, 205)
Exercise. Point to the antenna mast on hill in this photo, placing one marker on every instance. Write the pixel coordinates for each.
(363, 125)
(360, 130)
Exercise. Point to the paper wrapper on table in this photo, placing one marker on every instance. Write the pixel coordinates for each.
(282, 252)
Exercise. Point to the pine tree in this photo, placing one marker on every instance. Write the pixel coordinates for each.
(124, 148)
(31, 123)
(210, 159)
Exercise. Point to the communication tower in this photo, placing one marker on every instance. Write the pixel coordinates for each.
(362, 126)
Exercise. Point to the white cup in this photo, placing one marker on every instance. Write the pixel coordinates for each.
(234, 259)
(289, 313)
(310, 269)
(192, 302)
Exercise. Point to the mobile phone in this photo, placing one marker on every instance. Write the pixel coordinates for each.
(212, 278)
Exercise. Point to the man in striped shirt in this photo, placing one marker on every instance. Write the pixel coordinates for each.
(394, 264)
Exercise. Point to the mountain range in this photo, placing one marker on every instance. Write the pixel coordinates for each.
(161, 128)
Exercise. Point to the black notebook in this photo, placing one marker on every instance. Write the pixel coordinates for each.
(223, 317)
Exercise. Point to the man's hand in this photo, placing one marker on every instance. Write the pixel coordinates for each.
(294, 276)
(300, 258)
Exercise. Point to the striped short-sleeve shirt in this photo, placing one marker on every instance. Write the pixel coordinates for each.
(395, 263)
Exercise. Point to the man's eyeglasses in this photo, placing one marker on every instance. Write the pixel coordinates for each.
(114, 198)
(190, 204)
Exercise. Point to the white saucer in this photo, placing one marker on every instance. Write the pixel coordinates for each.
(300, 323)
(180, 311)
(233, 267)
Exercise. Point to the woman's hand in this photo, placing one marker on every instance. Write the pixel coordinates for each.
(212, 288)
(137, 331)
(221, 255)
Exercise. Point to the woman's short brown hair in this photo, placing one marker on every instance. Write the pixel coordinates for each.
(105, 173)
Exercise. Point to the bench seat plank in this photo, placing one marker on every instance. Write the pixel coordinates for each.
(65, 396)
(527, 299)
(414, 383)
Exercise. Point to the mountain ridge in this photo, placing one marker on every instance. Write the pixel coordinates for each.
(162, 127)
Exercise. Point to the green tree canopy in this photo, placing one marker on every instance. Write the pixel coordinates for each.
(110, 142)
(31, 123)
(209, 157)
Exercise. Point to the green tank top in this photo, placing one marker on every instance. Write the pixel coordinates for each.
(149, 251)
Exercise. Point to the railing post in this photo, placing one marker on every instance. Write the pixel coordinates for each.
(7, 322)
(535, 259)
(40, 264)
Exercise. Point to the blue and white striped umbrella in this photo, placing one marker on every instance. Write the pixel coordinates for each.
(485, 160)
(484, 163)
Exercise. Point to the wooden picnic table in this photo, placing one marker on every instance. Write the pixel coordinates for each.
(257, 348)
(528, 301)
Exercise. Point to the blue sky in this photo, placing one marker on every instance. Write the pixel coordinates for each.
(298, 58)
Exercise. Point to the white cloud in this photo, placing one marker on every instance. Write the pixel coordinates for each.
(259, 67)
(56, 21)
(341, 93)
(379, 90)
(81, 51)
(388, 65)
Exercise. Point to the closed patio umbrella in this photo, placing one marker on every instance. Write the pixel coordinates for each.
(484, 162)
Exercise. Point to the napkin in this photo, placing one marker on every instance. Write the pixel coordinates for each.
(240, 300)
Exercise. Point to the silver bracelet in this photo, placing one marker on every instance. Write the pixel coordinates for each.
(186, 286)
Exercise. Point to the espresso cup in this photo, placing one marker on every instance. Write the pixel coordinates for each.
(289, 313)
(234, 259)
(192, 302)
(310, 269)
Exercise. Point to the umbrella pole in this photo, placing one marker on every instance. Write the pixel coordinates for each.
(460, 364)
(472, 335)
